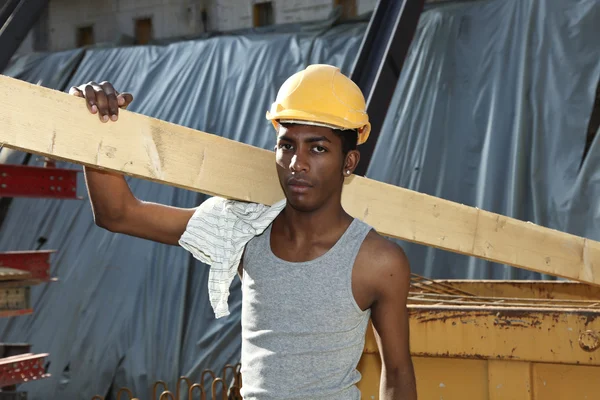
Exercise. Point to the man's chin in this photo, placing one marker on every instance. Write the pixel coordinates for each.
(300, 202)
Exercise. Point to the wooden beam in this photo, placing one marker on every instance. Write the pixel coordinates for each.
(53, 124)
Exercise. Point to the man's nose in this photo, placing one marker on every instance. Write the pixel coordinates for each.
(298, 163)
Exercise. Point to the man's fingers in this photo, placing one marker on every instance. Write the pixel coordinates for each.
(125, 99)
(102, 103)
(112, 102)
(103, 99)
(90, 97)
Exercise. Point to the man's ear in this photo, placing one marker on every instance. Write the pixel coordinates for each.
(351, 162)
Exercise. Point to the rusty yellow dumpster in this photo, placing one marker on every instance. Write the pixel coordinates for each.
(481, 340)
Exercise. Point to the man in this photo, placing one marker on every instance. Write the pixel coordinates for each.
(313, 277)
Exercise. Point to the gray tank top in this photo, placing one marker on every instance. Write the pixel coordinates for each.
(302, 332)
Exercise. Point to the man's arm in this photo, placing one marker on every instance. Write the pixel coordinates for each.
(116, 209)
(389, 315)
(114, 206)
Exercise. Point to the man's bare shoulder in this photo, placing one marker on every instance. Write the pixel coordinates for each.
(382, 265)
(382, 252)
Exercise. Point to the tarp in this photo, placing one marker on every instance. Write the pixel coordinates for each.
(491, 111)
(126, 311)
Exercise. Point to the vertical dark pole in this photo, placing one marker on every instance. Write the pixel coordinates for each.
(14, 31)
(377, 68)
(6, 11)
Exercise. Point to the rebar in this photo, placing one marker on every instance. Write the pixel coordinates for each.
(426, 285)
(165, 388)
(178, 388)
(214, 389)
(124, 390)
(166, 395)
(196, 386)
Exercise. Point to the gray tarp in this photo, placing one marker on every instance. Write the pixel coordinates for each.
(128, 312)
(492, 111)
(475, 119)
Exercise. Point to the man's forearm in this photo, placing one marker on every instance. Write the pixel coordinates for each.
(398, 384)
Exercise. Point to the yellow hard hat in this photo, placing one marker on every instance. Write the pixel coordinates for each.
(321, 95)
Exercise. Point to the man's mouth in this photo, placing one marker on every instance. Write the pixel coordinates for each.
(298, 185)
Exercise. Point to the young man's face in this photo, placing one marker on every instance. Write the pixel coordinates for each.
(310, 165)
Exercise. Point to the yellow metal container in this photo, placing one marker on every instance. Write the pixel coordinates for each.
(509, 340)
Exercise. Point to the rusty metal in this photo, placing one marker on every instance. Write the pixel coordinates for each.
(22, 368)
(156, 384)
(527, 289)
(207, 371)
(10, 274)
(238, 376)
(37, 182)
(435, 299)
(15, 300)
(166, 395)
(504, 345)
(124, 390)
(235, 369)
(213, 389)
(178, 388)
(199, 387)
(420, 284)
(589, 340)
(15, 313)
(36, 263)
(234, 393)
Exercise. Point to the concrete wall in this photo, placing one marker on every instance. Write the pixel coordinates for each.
(170, 18)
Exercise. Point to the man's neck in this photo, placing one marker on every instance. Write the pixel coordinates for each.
(301, 225)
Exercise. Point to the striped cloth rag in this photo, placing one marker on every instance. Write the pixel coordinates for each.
(217, 234)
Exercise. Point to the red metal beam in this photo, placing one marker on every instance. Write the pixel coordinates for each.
(37, 182)
(22, 368)
(15, 313)
(35, 262)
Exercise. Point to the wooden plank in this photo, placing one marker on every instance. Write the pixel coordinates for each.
(50, 123)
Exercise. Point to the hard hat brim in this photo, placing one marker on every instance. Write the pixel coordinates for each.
(328, 121)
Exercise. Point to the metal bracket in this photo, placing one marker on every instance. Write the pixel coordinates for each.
(22, 368)
(37, 263)
(15, 301)
(589, 340)
(37, 182)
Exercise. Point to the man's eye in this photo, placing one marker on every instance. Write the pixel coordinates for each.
(285, 146)
(319, 149)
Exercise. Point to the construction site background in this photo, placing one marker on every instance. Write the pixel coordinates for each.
(492, 110)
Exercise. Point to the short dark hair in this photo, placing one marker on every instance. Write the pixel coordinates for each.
(349, 139)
